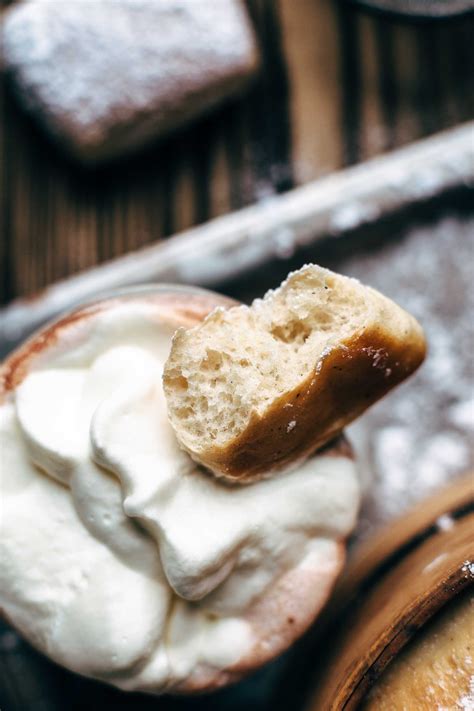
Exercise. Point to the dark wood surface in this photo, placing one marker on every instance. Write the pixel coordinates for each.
(338, 86)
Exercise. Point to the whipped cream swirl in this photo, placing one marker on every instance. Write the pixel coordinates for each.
(119, 558)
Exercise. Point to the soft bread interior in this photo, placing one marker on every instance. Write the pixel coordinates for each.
(238, 362)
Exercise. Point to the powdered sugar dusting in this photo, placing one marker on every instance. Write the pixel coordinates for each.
(420, 437)
(435, 562)
(379, 357)
(466, 703)
(445, 522)
(468, 568)
(128, 64)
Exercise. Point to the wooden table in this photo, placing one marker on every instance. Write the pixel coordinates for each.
(337, 87)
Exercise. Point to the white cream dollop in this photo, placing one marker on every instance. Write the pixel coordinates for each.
(118, 557)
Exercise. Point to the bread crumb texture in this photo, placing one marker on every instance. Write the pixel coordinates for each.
(250, 368)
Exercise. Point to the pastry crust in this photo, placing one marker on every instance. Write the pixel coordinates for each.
(348, 376)
(352, 377)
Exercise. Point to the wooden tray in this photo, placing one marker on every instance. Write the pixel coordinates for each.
(393, 586)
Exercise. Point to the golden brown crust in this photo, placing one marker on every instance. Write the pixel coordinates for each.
(350, 378)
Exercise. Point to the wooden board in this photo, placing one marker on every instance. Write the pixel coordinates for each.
(436, 514)
(338, 86)
(371, 634)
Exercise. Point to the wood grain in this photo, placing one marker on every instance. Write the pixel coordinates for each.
(231, 245)
(410, 594)
(338, 86)
(311, 40)
(376, 556)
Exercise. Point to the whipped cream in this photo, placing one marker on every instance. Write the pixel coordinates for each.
(119, 558)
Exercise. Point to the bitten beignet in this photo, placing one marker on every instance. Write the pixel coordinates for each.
(253, 389)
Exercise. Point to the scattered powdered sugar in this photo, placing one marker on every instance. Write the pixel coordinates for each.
(462, 414)
(291, 426)
(420, 436)
(466, 703)
(351, 215)
(445, 522)
(435, 562)
(468, 568)
(379, 357)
